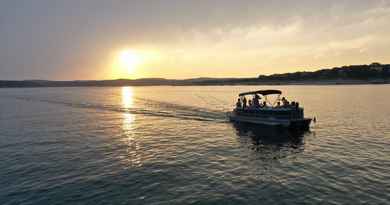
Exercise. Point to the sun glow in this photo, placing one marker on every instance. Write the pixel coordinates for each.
(129, 60)
(132, 63)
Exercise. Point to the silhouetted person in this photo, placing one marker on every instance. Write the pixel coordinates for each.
(238, 103)
(256, 102)
(244, 103)
(285, 102)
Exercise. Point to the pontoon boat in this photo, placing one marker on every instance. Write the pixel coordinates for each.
(263, 112)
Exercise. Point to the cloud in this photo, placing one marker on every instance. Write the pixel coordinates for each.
(48, 39)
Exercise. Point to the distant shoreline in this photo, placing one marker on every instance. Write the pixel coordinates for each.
(121, 83)
(374, 73)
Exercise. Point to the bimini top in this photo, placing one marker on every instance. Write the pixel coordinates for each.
(262, 92)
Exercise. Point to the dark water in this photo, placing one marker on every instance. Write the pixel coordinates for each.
(173, 145)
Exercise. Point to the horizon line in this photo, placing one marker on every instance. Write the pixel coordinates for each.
(193, 78)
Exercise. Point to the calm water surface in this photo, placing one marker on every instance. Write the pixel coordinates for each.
(173, 145)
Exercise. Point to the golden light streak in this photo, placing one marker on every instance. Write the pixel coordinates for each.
(132, 157)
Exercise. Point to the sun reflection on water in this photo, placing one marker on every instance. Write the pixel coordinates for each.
(133, 150)
(127, 97)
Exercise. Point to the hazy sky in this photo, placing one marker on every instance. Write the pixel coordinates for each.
(81, 39)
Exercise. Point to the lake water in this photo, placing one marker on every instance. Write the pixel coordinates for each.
(174, 145)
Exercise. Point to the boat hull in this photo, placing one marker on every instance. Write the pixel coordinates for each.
(301, 124)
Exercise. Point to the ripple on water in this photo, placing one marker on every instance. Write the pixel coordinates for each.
(173, 145)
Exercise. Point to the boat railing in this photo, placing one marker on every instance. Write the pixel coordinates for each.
(282, 112)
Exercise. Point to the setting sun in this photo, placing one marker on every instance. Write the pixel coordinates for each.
(129, 60)
(132, 63)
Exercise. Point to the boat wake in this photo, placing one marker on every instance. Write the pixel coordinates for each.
(149, 108)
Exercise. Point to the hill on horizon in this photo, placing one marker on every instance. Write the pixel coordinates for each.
(352, 74)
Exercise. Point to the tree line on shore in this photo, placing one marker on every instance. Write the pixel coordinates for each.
(352, 72)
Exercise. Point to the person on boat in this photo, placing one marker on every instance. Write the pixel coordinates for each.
(277, 104)
(238, 103)
(244, 103)
(250, 103)
(285, 102)
(256, 102)
(264, 104)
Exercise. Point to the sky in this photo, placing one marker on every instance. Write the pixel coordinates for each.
(101, 39)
